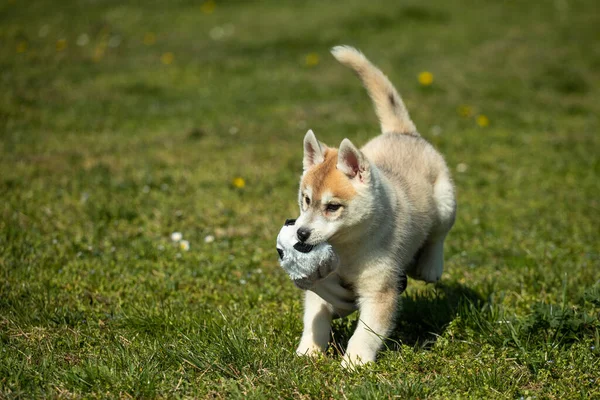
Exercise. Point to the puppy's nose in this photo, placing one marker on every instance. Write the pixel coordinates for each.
(303, 234)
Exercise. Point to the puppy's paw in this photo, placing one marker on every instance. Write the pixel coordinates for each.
(429, 275)
(309, 348)
(357, 357)
(352, 361)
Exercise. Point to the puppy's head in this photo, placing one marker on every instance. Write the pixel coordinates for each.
(334, 193)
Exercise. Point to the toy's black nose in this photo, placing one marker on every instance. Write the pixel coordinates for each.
(303, 234)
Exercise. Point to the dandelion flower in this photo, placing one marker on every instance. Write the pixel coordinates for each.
(167, 58)
(83, 40)
(425, 78)
(311, 59)
(483, 121)
(61, 44)
(465, 111)
(98, 54)
(243, 281)
(176, 236)
(208, 7)
(436, 130)
(209, 239)
(217, 33)
(239, 182)
(22, 47)
(184, 245)
(149, 38)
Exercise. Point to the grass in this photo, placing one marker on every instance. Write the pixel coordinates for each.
(123, 122)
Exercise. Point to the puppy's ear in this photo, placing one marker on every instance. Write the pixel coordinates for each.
(351, 161)
(314, 152)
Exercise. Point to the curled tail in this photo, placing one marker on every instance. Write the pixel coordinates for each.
(389, 107)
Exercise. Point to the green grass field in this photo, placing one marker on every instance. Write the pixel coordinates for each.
(123, 122)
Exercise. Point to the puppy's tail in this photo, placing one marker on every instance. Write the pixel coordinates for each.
(389, 107)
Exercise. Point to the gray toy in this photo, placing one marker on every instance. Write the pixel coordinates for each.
(312, 267)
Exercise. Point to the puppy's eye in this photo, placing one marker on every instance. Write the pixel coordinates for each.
(332, 207)
(307, 200)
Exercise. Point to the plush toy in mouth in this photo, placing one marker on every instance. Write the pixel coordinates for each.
(305, 264)
(313, 267)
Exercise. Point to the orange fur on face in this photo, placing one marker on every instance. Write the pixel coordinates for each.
(325, 177)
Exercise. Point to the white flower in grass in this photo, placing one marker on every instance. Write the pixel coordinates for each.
(176, 236)
(209, 239)
(82, 40)
(462, 167)
(217, 33)
(436, 130)
(184, 245)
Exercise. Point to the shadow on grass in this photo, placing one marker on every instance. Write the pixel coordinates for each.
(424, 315)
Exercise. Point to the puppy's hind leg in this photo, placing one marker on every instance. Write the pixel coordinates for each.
(430, 262)
(317, 325)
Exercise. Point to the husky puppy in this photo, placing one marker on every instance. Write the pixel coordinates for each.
(386, 210)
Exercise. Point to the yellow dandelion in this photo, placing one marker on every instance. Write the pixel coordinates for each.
(208, 7)
(22, 47)
(465, 111)
(61, 44)
(98, 54)
(149, 38)
(167, 58)
(425, 78)
(239, 182)
(482, 120)
(312, 59)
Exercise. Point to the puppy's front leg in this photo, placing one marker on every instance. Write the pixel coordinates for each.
(317, 325)
(377, 312)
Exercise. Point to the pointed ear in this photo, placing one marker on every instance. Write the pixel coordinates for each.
(350, 160)
(314, 152)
